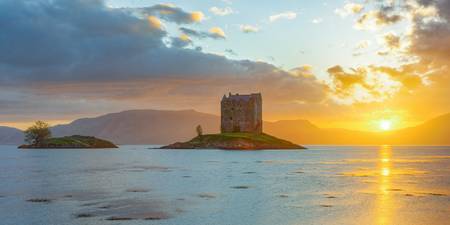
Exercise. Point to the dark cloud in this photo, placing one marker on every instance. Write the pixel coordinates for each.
(60, 40)
(66, 40)
(431, 38)
(90, 55)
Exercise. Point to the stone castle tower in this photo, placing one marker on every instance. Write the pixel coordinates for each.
(241, 113)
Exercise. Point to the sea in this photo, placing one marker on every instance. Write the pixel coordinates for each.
(364, 185)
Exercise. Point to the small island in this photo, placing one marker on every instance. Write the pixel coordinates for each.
(235, 141)
(38, 136)
(241, 128)
(75, 141)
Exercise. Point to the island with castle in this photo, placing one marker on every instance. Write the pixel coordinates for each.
(241, 127)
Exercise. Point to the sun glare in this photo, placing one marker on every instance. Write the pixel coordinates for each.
(385, 125)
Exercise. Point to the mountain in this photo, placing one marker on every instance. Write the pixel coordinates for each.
(10, 136)
(165, 127)
(432, 132)
(304, 132)
(142, 126)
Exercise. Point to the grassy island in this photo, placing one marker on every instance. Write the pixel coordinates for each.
(235, 141)
(75, 141)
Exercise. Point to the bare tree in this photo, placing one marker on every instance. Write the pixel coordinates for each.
(37, 133)
(199, 130)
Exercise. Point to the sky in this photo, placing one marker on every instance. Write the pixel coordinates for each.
(367, 65)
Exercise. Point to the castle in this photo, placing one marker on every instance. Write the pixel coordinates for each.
(241, 113)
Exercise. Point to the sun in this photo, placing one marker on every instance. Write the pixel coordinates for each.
(385, 125)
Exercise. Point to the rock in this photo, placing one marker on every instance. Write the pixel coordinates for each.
(39, 200)
(84, 215)
(241, 187)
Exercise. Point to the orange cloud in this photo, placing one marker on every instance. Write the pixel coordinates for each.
(197, 16)
(217, 31)
(154, 22)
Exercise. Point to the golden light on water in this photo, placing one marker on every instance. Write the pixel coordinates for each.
(386, 172)
(384, 202)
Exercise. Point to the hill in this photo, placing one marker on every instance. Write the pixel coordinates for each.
(10, 136)
(433, 132)
(142, 126)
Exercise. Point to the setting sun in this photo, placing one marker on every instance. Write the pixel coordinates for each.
(385, 125)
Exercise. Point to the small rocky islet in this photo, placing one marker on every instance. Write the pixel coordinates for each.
(73, 142)
(235, 141)
(240, 128)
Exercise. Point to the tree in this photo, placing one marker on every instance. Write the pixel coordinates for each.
(199, 130)
(37, 133)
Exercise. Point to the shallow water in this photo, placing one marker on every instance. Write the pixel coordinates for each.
(137, 185)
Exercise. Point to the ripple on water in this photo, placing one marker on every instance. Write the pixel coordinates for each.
(127, 209)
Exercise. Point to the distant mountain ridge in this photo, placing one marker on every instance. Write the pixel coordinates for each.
(166, 126)
(142, 126)
(10, 136)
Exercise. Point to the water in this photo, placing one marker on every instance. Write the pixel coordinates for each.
(322, 185)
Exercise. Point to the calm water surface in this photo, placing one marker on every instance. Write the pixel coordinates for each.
(136, 185)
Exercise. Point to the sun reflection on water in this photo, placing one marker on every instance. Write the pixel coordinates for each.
(384, 200)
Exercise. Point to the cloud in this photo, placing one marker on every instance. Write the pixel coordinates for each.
(374, 83)
(221, 11)
(391, 40)
(246, 28)
(288, 15)
(171, 13)
(378, 18)
(180, 42)
(407, 75)
(154, 22)
(302, 71)
(214, 33)
(430, 36)
(419, 50)
(96, 59)
(349, 9)
(346, 79)
(217, 32)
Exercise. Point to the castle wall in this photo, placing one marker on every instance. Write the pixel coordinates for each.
(241, 113)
